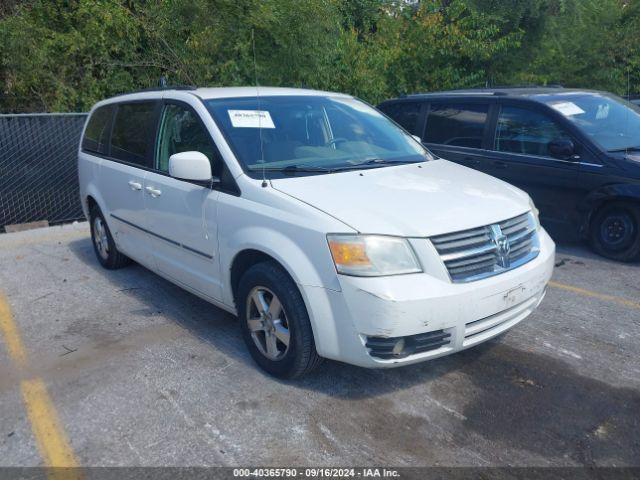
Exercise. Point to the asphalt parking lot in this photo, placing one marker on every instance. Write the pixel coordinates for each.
(131, 370)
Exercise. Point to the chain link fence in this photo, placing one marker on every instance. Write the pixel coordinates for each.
(38, 168)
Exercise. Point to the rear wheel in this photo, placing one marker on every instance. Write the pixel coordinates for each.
(103, 244)
(275, 323)
(615, 231)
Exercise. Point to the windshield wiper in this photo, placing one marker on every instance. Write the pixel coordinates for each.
(634, 149)
(374, 162)
(292, 169)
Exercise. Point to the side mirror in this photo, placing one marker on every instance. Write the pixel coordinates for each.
(193, 166)
(417, 139)
(562, 148)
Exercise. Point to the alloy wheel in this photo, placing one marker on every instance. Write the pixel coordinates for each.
(100, 238)
(267, 322)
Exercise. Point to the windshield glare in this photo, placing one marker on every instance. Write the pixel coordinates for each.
(315, 133)
(610, 121)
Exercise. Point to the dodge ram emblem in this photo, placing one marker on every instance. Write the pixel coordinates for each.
(503, 247)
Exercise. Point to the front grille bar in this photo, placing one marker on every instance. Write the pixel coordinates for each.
(489, 250)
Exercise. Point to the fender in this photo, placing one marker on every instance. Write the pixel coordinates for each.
(317, 282)
(282, 248)
(607, 193)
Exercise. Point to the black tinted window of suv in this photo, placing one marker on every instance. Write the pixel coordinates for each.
(456, 124)
(405, 114)
(526, 131)
(131, 131)
(97, 132)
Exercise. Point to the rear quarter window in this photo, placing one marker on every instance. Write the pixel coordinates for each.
(96, 134)
(405, 114)
(132, 131)
(456, 124)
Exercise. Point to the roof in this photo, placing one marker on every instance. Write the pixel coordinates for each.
(526, 91)
(218, 92)
(234, 92)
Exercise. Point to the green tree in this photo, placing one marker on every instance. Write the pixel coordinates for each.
(60, 55)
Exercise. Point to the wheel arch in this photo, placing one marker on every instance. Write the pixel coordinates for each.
(603, 196)
(243, 261)
(92, 197)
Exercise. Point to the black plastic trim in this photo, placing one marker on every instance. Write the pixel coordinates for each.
(382, 347)
(173, 242)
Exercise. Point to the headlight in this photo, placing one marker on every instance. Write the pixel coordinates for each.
(535, 212)
(372, 255)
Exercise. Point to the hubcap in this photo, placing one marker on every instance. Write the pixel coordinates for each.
(100, 238)
(267, 323)
(617, 230)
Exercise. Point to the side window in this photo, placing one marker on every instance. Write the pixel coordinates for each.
(456, 124)
(525, 131)
(406, 114)
(181, 131)
(97, 132)
(132, 128)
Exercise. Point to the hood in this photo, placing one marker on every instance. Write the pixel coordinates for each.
(414, 200)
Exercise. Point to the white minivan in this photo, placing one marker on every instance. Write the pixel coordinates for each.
(326, 228)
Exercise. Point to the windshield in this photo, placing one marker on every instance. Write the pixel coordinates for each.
(311, 134)
(610, 121)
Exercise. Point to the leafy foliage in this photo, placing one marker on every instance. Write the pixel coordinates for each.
(63, 55)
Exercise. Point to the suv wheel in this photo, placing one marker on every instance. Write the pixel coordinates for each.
(615, 232)
(103, 244)
(275, 323)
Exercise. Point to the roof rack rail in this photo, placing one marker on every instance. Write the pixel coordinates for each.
(159, 89)
(523, 85)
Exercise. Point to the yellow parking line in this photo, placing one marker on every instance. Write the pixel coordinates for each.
(50, 437)
(11, 335)
(600, 296)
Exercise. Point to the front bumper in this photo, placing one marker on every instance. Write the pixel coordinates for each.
(410, 305)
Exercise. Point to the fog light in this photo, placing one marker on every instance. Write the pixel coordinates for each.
(398, 347)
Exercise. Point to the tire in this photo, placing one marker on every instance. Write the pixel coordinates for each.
(103, 244)
(615, 231)
(264, 329)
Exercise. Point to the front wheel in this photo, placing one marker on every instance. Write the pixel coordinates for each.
(615, 232)
(275, 323)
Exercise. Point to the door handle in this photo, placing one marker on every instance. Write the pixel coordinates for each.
(499, 164)
(154, 192)
(135, 185)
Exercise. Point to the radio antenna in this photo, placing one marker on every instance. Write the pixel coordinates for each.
(628, 99)
(255, 73)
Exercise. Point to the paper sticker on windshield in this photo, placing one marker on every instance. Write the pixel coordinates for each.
(251, 119)
(568, 108)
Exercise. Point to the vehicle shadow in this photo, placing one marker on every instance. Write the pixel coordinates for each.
(492, 396)
(200, 318)
(508, 395)
(220, 330)
(539, 403)
(582, 251)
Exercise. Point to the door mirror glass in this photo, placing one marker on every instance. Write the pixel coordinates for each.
(193, 166)
(562, 148)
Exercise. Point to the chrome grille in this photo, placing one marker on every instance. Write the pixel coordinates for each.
(485, 251)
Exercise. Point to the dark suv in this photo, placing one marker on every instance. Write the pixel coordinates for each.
(576, 152)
